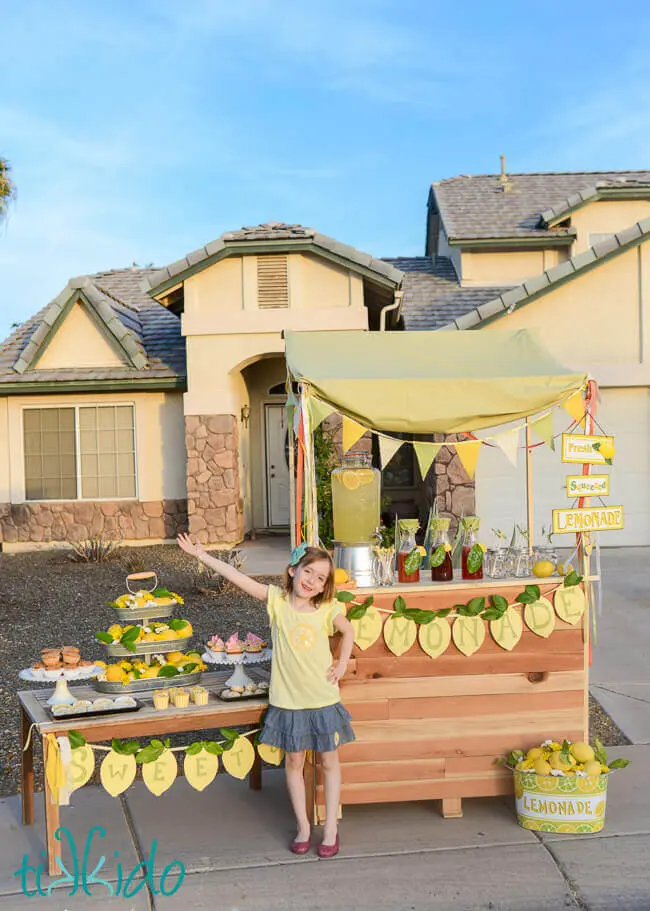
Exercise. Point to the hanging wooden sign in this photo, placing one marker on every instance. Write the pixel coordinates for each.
(200, 769)
(540, 617)
(587, 485)
(367, 629)
(160, 774)
(434, 637)
(117, 772)
(589, 518)
(507, 630)
(468, 634)
(570, 604)
(578, 447)
(399, 634)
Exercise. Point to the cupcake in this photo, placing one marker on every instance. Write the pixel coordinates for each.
(182, 699)
(51, 658)
(253, 643)
(216, 644)
(237, 690)
(234, 646)
(71, 659)
(250, 689)
(161, 699)
(199, 695)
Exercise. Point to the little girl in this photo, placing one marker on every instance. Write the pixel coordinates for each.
(305, 712)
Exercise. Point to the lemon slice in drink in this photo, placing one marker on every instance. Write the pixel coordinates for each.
(350, 480)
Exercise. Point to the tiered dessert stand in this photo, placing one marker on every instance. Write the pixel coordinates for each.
(146, 649)
(239, 677)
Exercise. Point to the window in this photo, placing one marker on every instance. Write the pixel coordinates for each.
(272, 282)
(400, 471)
(83, 452)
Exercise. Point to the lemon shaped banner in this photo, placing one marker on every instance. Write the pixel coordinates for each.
(540, 617)
(272, 755)
(570, 604)
(468, 634)
(200, 769)
(434, 637)
(399, 634)
(81, 768)
(238, 761)
(507, 630)
(117, 772)
(160, 775)
(367, 629)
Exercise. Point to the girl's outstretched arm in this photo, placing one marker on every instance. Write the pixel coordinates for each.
(241, 580)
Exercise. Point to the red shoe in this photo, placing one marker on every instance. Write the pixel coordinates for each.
(300, 847)
(329, 850)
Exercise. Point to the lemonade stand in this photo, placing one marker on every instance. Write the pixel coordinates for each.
(445, 675)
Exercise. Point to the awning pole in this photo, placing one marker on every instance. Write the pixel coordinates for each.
(292, 479)
(529, 484)
(300, 473)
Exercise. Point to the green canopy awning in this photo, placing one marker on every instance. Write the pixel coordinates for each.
(430, 382)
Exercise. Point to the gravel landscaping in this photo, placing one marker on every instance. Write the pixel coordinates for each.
(47, 600)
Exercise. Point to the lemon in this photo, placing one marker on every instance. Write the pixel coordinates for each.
(543, 568)
(564, 570)
(350, 480)
(535, 753)
(593, 767)
(100, 663)
(607, 450)
(582, 751)
(150, 671)
(149, 637)
(174, 657)
(115, 631)
(182, 632)
(542, 767)
(557, 763)
(114, 673)
(340, 576)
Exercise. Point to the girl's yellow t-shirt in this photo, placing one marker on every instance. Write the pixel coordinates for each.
(301, 653)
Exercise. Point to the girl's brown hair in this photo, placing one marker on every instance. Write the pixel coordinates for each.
(312, 555)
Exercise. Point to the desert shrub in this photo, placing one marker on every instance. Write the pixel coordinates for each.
(209, 582)
(92, 550)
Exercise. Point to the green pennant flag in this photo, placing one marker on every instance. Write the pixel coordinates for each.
(543, 427)
(318, 411)
(425, 454)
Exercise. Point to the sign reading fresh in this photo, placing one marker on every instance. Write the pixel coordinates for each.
(587, 450)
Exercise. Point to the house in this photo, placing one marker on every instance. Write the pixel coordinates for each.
(141, 400)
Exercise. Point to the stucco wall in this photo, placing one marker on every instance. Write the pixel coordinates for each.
(5, 476)
(507, 268)
(606, 217)
(79, 342)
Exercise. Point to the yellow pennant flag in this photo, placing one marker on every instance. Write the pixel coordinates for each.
(468, 454)
(543, 427)
(318, 411)
(426, 453)
(387, 449)
(576, 408)
(351, 433)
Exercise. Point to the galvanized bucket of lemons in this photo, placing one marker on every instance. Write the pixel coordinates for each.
(562, 787)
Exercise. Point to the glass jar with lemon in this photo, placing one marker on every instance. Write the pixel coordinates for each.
(356, 499)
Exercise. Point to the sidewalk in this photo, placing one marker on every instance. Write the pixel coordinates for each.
(233, 843)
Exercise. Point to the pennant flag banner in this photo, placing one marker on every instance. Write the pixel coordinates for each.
(468, 454)
(351, 433)
(543, 427)
(387, 449)
(576, 408)
(508, 443)
(426, 453)
(318, 411)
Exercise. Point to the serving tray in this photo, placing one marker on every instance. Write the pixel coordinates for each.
(147, 648)
(94, 713)
(144, 686)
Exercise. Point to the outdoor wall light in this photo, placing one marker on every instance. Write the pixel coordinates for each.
(245, 414)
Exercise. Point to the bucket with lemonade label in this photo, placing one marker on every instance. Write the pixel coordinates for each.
(568, 804)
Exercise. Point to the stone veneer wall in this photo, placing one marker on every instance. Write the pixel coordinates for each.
(76, 520)
(214, 505)
(449, 483)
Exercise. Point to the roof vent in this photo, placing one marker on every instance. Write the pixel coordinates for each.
(505, 184)
(272, 281)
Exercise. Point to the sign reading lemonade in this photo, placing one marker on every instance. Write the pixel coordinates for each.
(568, 804)
(587, 485)
(590, 518)
(587, 450)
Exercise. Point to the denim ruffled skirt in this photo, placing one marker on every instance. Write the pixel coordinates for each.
(294, 730)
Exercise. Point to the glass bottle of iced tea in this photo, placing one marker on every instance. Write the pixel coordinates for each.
(408, 556)
(440, 560)
(472, 551)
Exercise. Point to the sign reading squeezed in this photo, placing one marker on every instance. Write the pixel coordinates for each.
(589, 485)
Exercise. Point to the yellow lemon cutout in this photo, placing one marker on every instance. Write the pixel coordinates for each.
(161, 774)
(272, 755)
(399, 634)
(434, 637)
(239, 760)
(507, 630)
(368, 629)
(81, 768)
(117, 772)
(303, 637)
(540, 617)
(468, 634)
(570, 604)
(200, 769)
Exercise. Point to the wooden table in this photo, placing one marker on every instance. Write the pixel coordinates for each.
(145, 722)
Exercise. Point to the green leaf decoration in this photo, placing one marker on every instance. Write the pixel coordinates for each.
(425, 616)
(534, 591)
(565, 752)
(596, 446)
(76, 739)
(136, 674)
(526, 598)
(175, 623)
(499, 603)
(474, 559)
(168, 671)
(491, 614)
(399, 605)
(194, 748)
(129, 638)
(113, 604)
(158, 744)
(188, 668)
(619, 763)
(345, 597)
(437, 558)
(368, 602)
(572, 579)
(412, 562)
(443, 613)
(125, 747)
(601, 752)
(475, 606)
(513, 757)
(106, 638)
(608, 462)
(211, 746)
(161, 592)
(167, 742)
(418, 615)
(149, 754)
(228, 734)
(357, 612)
(463, 610)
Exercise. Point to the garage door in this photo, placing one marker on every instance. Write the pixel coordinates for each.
(501, 490)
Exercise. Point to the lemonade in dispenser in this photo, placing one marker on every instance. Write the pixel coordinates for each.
(356, 499)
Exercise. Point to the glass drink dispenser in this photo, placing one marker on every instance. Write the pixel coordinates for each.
(356, 494)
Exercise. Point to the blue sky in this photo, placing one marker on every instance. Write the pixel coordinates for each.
(139, 130)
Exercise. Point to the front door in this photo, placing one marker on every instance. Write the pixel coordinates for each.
(277, 465)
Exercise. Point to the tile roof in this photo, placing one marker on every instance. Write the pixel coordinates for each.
(476, 206)
(148, 334)
(283, 236)
(506, 301)
(433, 297)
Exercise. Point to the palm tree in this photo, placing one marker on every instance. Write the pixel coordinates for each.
(7, 187)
